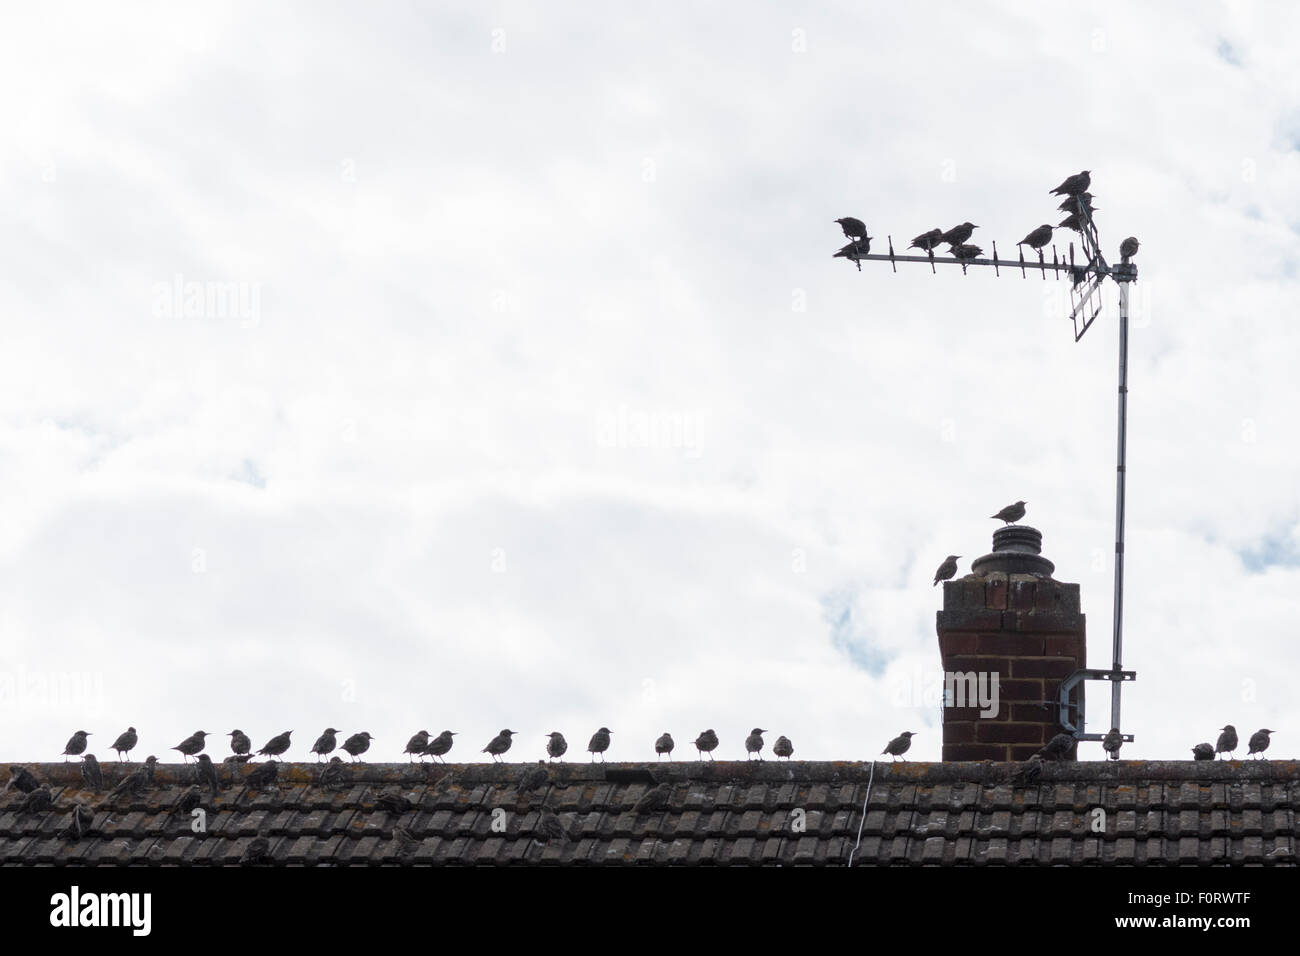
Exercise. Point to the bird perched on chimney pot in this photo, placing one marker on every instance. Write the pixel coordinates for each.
(754, 743)
(958, 234)
(665, 745)
(1259, 742)
(899, 745)
(325, 743)
(77, 745)
(1203, 752)
(1227, 742)
(1011, 513)
(358, 744)
(599, 743)
(440, 744)
(1074, 185)
(191, 745)
(1128, 248)
(947, 569)
(926, 241)
(556, 746)
(498, 745)
(277, 745)
(125, 742)
(853, 228)
(706, 743)
(1111, 743)
(783, 747)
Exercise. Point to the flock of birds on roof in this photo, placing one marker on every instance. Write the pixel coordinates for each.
(1077, 204)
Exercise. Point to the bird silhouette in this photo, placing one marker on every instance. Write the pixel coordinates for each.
(783, 747)
(926, 241)
(1074, 185)
(1011, 513)
(498, 745)
(665, 745)
(599, 743)
(946, 570)
(556, 745)
(417, 745)
(1112, 742)
(707, 742)
(326, 743)
(853, 228)
(357, 744)
(191, 745)
(277, 745)
(754, 743)
(899, 745)
(76, 745)
(239, 742)
(440, 744)
(1259, 741)
(125, 742)
(1037, 239)
(1227, 742)
(958, 234)
(1128, 248)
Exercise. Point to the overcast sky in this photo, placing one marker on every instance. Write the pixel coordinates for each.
(397, 366)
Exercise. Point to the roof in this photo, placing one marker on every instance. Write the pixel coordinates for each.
(730, 813)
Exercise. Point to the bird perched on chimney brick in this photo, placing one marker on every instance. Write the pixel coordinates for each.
(1203, 752)
(1259, 742)
(853, 228)
(1227, 742)
(1111, 743)
(754, 743)
(325, 743)
(599, 743)
(125, 742)
(240, 745)
(440, 744)
(1037, 239)
(277, 745)
(1073, 185)
(556, 745)
(76, 745)
(665, 745)
(358, 744)
(899, 745)
(706, 743)
(498, 745)
(946, 570)
(926, 241)
(21, 778)
(783, 747)
(191, 745)
(1128, 248)
(207, 773)
(94, 779)
(958, 234)
(1059, 747)
(417, 745)
(1011, 513)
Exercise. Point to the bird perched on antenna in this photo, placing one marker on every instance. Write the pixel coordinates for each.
(1037, 239)
(926, 241)
(1072, 203)
(1011, 513)
(1071, 222)
(965, 252)
(958, 234)
(1128, 248)
(947, 569)
(1074, 185)
(855, 250)
(853, 228)
(1258, 742)
(1111, 743)
(1227, 742)
(899, 745)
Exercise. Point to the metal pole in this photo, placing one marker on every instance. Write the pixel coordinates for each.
(1119, 494)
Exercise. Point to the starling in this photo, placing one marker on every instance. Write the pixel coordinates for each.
(239, 742)
(137, 781)
(1027, 774)
(238, 758)
(899, 745)
(1258, 742)
(417, 745)
(188, 800)
(947, 569)
(358, 744)
(1073, 185)
(498, 745)
(91, 774)
(1227, 742)
(1111, 743)
(1011, 513)
(1128, 248)
(125, 742)
(38, 801)
(853, 228)
(1203, 752)
(533, 777)
(926, 241)
(1038, 238)
(1058, 748)
(754, 743)
(440, 744)
(277, 745)
(147, 768)
(256, 853)
(76, 745)
(957, 234)
(191, 744)
(262, 776)
(325, 743)
(783, 747)
(1072, 203)
(1071, 222)
(207, 773)
(406, 843)
(22, 778)
(653, 800)
(335, 775)
(599, 743)
(549, 827)
(665, 745)
(393, 800)
(556, 745)
(706, 743)
(855, 249)
(965, 253)
(78, 822)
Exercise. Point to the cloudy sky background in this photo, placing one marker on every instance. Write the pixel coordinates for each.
(544, 405)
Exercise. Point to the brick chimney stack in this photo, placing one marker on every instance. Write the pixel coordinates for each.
(1009, 618)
